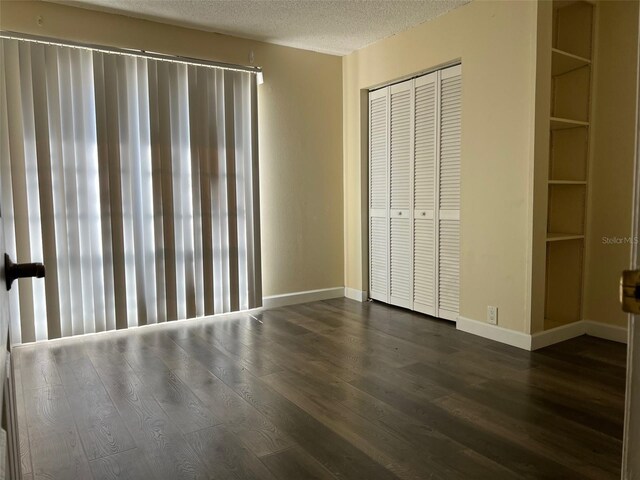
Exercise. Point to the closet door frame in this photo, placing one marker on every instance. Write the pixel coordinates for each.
(448, 70)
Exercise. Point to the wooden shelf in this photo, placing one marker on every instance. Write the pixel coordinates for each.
(567, 182)
(562, 123)
(564, 62)
(557, 237)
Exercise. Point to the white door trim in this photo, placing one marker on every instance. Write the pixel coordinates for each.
(631, 441)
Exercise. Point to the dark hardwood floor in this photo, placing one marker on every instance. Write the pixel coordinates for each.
(325, 390)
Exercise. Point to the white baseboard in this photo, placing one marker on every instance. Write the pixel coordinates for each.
(606, 331)
(357, 295)
(575, 329)
(557, 335)
(294, 298)
(543, 339)
(494, 332)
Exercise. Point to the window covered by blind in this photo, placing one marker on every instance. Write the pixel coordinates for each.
(134, 180)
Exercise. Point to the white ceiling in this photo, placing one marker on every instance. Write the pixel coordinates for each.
(329, 26)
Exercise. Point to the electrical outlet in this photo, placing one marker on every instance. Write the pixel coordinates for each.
(492, 315)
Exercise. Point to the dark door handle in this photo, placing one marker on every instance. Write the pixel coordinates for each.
(21, 270)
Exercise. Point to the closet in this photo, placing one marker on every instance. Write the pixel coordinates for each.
(414, 193)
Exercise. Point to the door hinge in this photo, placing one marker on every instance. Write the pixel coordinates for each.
(630, 291)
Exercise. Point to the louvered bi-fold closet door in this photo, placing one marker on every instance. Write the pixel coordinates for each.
(424, 194)
(401, 202)
(379, 195)
(448, 194)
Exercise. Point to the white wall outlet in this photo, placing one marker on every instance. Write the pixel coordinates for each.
(492, 315)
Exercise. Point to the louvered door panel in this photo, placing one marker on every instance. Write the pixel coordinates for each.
(400, 169)
(424, 168)
(400, 146)
(378, 164)
(378, 258)
(424, 266)
(425, 143)
(448, 212)
(401, 264)
(449, 269)
(379, 195)
(450, 138)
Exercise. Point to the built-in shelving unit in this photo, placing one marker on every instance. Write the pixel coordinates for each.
(568, 161)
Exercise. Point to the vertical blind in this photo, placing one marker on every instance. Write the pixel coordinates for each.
(134, 180)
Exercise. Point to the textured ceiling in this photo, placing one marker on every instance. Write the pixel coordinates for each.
(329, 26)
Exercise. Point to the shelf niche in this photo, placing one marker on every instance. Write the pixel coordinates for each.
(572, 27)
(570, 95)
(568, 154)
(563, 295)
(566, 209)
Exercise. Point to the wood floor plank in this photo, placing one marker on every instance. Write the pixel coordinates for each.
(576, 371)
(489, 445)
(328, 390)
(570, 452)
(432, 443)
(159, 440)
(225, 456)
(47, 410)
(23, 432)
(407, 426)
(37, 367)
(59, 456)
(101, 429)
(288, 422)
(260, 435)
(383, 446)
(246, 356)
(552, 380)
(56, 450)
(338, 455)
(294, 464)
(439, 335)
(128, 465)
(211, 358)
(596, 416)
(500, 397)
(176, 399)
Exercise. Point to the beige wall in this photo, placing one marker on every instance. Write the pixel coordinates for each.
(300, 132)
(496, 42)
(611, 170)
